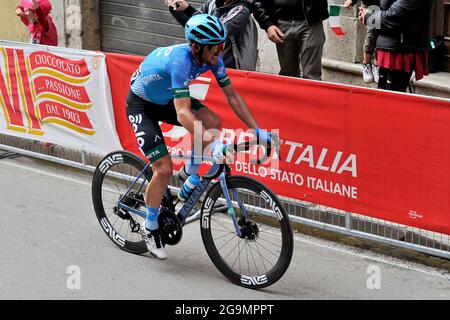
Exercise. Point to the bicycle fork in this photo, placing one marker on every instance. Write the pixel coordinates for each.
(231, 211)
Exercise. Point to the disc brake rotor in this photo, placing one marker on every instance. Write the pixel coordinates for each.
(249, 229)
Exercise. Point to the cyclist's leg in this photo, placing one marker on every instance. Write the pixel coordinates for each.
(162, 173)
(151, 143)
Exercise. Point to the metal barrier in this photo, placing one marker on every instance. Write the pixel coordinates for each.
(301, 212)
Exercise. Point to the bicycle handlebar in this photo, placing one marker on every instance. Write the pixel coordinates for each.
(216, 173)
(246, 145)
(241, 147)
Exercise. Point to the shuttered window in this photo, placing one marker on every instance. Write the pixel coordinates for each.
(138, 26)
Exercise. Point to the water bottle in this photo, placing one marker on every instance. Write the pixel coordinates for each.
(188, 186)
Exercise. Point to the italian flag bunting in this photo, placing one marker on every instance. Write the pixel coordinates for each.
(335, 24)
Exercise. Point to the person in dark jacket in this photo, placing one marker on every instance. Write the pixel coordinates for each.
(402, 44)
(295, 26)
(241, 48)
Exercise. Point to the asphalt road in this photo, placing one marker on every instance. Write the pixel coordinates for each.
(52, 247)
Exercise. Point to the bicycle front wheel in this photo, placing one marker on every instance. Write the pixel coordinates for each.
(263, 252)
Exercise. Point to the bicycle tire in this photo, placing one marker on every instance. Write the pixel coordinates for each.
(105, 166)
(270, 200)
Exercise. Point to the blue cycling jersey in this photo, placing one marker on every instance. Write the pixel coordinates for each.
(167, 72)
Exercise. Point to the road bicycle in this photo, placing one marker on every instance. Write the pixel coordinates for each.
(244, 226)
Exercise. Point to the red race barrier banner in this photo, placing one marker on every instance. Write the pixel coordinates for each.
(376, 153)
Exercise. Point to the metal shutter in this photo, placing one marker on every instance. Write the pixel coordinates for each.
(138, 26)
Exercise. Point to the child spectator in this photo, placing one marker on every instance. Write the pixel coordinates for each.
(370, 69)
(403, 40)
(35, 14)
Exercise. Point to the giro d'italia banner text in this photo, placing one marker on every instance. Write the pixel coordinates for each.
(56, 95)
(375, 153)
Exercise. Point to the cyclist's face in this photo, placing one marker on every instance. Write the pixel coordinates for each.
(211, 54)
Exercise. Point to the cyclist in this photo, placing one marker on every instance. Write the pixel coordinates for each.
(160, 92)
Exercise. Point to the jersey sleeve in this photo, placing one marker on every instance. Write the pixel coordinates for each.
(220, 72)
(179, 68)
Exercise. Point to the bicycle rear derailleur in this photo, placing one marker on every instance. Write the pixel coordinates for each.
(133, 200)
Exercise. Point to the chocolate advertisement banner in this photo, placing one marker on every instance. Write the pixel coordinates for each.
(56, 95)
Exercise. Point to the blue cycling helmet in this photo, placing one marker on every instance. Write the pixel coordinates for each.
(206, 29)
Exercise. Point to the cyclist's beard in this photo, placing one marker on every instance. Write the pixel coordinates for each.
(213, 60)
(198, 57)
(210, 61)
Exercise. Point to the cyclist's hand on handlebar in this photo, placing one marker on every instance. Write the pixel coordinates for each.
(267, 137)
(220, 152)
(276, 140)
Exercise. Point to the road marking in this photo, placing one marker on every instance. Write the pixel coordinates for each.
(370, 255)
(43, 172)
(301, 238)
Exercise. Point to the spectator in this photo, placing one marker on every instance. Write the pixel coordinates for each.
(370, 70)
(241, 48)
(402, 44)
(35, 14)
(295, 26)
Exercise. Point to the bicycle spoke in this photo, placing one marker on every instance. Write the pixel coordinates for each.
(232, 250)
(223, 231)
(230, 230)
(225, 245)
(239, 255)
(121, 226)
(266, 230)
(261, 256)
(254, 262)
(225, 235)
(248, 262)
(276, 245)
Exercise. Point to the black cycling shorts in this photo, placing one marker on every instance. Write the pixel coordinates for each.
(144, 117)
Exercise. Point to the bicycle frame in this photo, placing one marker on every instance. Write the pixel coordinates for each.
(195, 196)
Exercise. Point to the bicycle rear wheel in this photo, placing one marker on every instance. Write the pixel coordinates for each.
(263, 253)
(112, 178)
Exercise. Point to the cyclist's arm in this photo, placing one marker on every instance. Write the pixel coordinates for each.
(239, 106)
(235, 101)
(187, 119)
